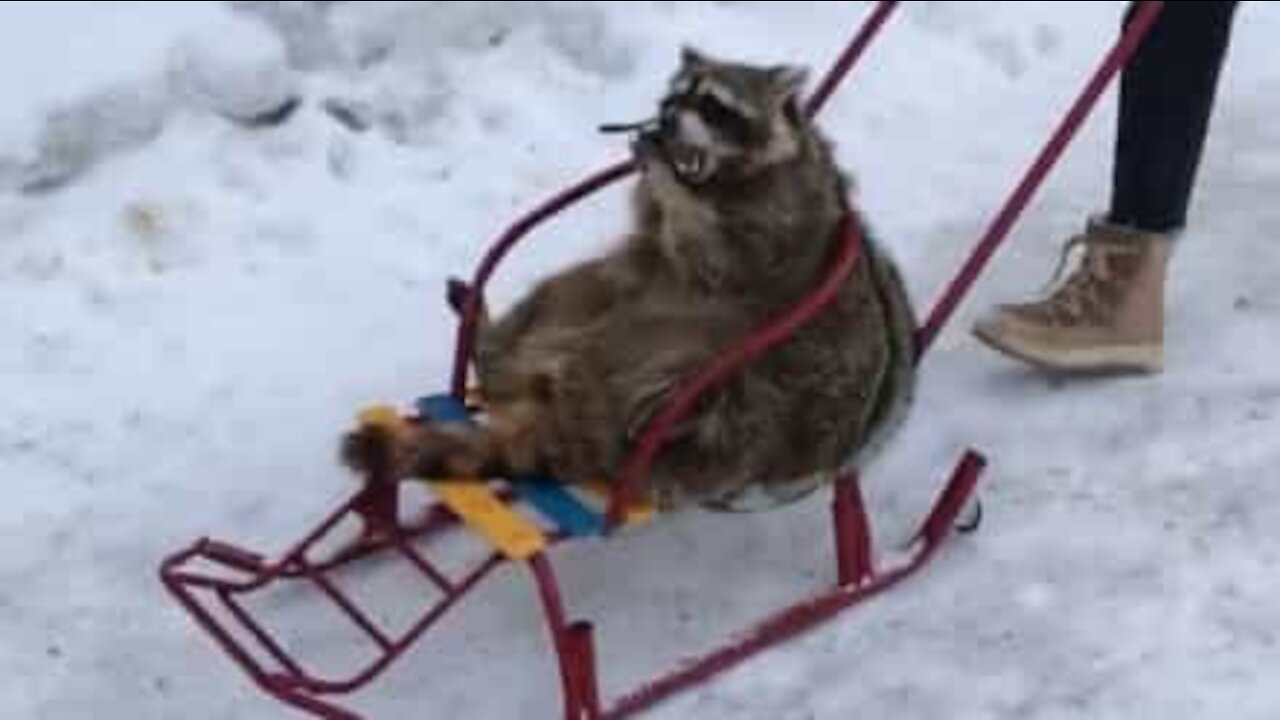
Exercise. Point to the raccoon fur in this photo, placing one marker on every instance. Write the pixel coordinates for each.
(738, 209)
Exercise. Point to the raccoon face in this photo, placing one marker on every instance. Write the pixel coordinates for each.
(723, 123)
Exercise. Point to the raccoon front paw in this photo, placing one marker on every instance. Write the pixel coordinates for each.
(368, 449)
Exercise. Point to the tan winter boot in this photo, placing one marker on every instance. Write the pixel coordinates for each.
(1107, 316)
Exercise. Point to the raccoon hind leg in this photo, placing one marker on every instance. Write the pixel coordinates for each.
(505, 445)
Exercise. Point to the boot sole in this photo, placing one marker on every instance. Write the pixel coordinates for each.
(1144, 358)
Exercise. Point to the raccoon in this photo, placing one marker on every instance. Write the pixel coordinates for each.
(737, 214)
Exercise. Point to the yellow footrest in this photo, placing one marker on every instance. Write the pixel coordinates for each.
(514, 535)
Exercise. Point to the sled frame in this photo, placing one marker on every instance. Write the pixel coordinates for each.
(211, 579)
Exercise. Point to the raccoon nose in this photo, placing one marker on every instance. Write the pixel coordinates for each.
(668, 121)
(645, 143)
(666, 128)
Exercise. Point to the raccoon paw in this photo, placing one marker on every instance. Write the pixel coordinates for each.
(367, 449)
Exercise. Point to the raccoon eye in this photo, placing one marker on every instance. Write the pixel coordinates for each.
(721, 116)
(714, 111)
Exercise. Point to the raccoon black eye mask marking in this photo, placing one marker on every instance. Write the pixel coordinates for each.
(721, 123)
(723, 118)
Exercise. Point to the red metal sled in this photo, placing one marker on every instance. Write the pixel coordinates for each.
(212, 580)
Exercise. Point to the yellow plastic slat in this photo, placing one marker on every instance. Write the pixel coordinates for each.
(638, 513)
(514, 535)
(383, 416)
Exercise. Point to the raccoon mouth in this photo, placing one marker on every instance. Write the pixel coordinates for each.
(688, 163)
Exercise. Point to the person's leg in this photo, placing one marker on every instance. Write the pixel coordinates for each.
(1108, 315)
(1166, 98)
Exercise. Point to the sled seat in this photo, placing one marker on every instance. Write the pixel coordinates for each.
(503, 519)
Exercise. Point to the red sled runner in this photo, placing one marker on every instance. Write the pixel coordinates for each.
(213, 580)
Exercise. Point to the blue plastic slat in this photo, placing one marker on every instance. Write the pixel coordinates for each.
(552, 500)
(443, 408)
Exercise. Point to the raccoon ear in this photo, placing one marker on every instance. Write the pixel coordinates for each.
(788, 80)
(691, 57)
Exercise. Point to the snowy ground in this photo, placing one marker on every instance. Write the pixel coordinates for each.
(191, 309)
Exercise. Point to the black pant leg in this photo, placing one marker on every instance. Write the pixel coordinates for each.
(1166, 99)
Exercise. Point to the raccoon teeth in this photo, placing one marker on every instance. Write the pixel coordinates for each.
(691, 165)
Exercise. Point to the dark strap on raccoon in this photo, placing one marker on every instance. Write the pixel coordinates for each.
(635, 127)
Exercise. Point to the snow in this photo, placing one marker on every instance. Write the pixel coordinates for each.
(192, 310)
(88, 79)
